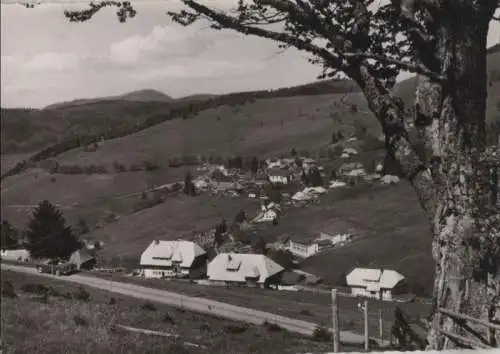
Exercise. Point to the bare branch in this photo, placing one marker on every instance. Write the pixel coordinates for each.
(407, 66)
(233, 23)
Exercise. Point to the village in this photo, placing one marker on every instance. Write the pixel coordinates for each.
(216, 257)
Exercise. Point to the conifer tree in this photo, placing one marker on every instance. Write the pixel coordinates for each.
(47, 234)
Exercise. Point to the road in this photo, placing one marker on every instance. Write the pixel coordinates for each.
(196, 304)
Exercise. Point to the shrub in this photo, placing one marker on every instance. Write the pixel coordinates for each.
(305, 312)
(148, 307)
(119, 167)
(112, 301)
(136, 168)
(167, 318)
(80, 321)
(235, 329)
(8, 290)
(321, 334)
(150, 165)
(36, 289)
(205, 327)
(272, 327)
(82, 294)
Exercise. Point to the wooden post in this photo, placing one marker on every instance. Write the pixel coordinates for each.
(367, 337)
(380, 320)
(335, 322)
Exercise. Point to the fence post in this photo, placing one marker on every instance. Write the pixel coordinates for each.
(380, 320)
(335, 322)
(367, 337)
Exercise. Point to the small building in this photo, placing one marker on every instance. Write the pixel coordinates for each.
(19, 255)
(279, 176)
(302, 249)
(337, 239)
(182, 259)
(256, 270)
(82, 259)
(374, 283)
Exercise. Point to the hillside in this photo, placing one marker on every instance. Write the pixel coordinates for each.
(135, 96)
(30, 130)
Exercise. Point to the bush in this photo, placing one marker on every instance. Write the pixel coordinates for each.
(235, 329)
(135, 168)
(8, 290)
(36, 289)
(272, 327)
(167, 318)
(305, 312)
(80, 321)
(112, 301)
(82, 294)
(148, 307)
(119, 167)
(321, 334)
(150, 165)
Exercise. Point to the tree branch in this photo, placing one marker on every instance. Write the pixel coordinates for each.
(231, 22)
(398, 144)
(407, 66)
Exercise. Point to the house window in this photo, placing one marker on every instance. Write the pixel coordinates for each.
(162, 258)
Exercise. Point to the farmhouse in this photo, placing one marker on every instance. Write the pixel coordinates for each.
(279, 176)
(255, 270)
(183, 259)
(375, 283)
(20, 255)
(306, 249)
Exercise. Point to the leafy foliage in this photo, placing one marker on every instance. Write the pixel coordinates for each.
(47, 234)
(10, 236)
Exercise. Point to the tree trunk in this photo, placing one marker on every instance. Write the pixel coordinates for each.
(465, 251)
(451, 182)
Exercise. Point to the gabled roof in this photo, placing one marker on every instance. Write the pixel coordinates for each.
(278, 172)
(165, 253)
(374, 279)
(250, 266)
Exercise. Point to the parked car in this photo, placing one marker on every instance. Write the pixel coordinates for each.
(57, 267)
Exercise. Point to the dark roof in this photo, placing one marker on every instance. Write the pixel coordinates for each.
(278, 172)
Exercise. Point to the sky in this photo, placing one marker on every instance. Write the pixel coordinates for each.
(46, 59)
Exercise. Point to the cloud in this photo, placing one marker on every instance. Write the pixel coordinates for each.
(161, 43)
(52, 61)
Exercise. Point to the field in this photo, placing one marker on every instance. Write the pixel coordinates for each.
(65, 323)
(308, 306)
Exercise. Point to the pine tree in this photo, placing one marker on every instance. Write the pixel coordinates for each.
(83, 227)
(9, 236)
(293, 152)
(47, 234)
(315, 177)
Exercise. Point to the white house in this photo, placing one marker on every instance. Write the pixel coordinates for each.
(245, 269)
(279, 176)
(301, 196)
(303, 250)
(375, 282)
(20, 255)
(268, 213)
(173, 259)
